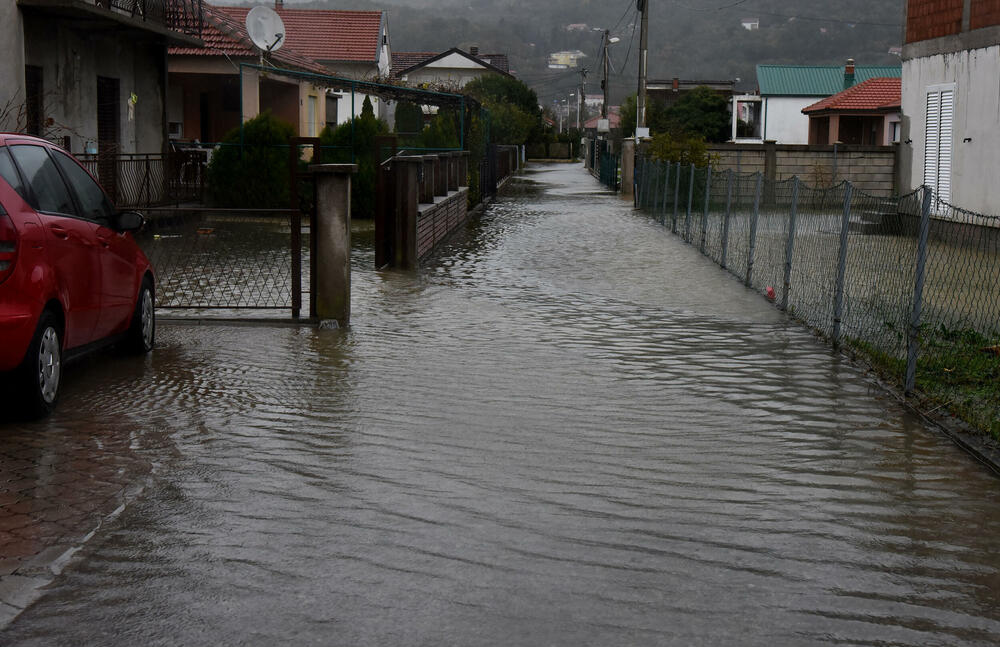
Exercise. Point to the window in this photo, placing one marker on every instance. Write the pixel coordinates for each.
(938, 126)
(93, 203)
(49, 192)
(33, 99)
(9, 173)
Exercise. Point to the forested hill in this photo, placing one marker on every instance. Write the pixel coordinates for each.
(691, 39)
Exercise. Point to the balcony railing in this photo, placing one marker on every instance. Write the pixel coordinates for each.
(183, 16)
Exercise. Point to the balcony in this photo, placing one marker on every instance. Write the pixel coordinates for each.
(180, 21)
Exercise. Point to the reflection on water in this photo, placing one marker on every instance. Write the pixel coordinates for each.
(569, 428)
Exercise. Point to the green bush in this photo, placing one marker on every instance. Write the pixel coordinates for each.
(256, 174)
(336, 148)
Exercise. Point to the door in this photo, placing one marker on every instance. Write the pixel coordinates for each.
(116, 252)
(71, 241)
(108, 134)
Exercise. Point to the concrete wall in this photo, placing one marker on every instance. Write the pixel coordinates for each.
(870, 168)
(976, 77)
(11, 61)
(784, 121)
(73, 57)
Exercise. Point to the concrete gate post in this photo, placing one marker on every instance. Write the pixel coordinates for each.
(463, 168)
(407, 198)
(628, 167)
(332, 282)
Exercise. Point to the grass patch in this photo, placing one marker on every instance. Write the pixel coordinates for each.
(957, 369)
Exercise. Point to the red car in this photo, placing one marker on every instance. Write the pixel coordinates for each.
(72, 279)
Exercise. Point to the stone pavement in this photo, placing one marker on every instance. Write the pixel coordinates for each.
(57, 487)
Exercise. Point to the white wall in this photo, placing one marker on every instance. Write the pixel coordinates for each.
(784, 121)
(976, 75)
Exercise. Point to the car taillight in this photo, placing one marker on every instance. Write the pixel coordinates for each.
(8, 245)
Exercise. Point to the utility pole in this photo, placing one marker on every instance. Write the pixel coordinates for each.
(642, 6)
(580, 101)
(604, 82)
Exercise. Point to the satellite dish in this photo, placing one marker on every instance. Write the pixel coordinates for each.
(266, 29)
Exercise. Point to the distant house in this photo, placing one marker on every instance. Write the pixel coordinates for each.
(614, 123)
(775, 112)
(349, 44)
(208, 96)
(750, 24)
(89, 76)
(670, 91)
(565, 60)
(451, 69)
(867, 114)
(951, 86)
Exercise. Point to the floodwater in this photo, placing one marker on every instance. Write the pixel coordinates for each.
(569, 429)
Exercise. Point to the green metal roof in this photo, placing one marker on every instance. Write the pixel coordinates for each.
(815, 80)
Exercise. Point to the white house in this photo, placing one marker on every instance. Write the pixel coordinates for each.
(950, 99)
(775, 112)
(449, 70)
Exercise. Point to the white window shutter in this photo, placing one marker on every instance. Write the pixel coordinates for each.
(938, 139)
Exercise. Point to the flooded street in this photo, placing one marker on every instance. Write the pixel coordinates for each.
(570, 428)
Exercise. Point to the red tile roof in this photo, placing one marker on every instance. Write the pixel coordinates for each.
(223, 35)
(327, 35)
(614, 121)
(874, 95)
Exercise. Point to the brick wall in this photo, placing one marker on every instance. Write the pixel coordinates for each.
(871, 169)
(927, 19)
(984, 13)
(436, 221)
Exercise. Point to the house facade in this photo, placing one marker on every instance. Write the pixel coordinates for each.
(349, 44)
(90, 76)
(775, 112)
(866, 114)
(209, 91)
(950, 99)
(449, 70)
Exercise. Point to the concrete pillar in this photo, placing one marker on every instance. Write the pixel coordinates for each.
(251, 93)
(427, 186)
(628, 167)
(770, 159)
(463, 168)
(332, 282)
(452, 161)
(407, 196)
(440, 175)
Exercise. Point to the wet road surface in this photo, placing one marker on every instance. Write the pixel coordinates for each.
(569, 428)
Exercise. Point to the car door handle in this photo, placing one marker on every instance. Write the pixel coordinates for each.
(59, 231)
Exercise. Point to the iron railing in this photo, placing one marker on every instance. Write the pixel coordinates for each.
(184, 16)
(910, 282)
(141, 180)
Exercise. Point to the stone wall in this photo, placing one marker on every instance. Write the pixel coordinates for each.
(871, 169)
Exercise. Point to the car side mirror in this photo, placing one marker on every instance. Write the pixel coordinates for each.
(129, 221)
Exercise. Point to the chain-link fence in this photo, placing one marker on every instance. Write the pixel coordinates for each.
(911, 282)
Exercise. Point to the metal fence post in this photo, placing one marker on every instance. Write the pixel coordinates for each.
(790, 245)
(677, 197)
(666, 188)
(656, 191)
(708, 198)
(913, 336)
(725, 218)
(753, 230)
(838, 298)
(687, 218)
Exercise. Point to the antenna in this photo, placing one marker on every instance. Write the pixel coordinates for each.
(266, 29)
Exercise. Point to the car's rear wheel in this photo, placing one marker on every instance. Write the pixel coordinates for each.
(41, 371)
(141, 335)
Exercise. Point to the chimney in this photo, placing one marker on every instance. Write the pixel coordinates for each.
(474, 51)
(676, 85)
(849, 73)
